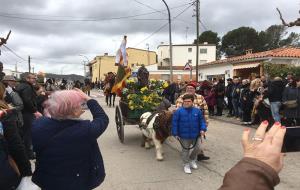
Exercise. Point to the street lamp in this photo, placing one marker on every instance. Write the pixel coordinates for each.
(170, 42)
(148, 56)
(84, 74)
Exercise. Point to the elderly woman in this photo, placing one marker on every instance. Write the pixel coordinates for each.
(68, 156)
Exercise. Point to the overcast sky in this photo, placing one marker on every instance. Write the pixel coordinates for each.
(54, 33)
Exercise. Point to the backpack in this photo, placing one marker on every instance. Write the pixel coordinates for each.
(9, 175)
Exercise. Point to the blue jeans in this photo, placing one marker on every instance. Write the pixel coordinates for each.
(235, 104)
(275, 110)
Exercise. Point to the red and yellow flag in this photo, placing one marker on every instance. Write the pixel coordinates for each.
(123, 70)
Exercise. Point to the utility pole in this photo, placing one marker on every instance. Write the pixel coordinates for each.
(29, 67)
(197, 35)
(99, 69)
(170, 43)
(186, 34)
(32, 69)
(16, 68)
(148, 56)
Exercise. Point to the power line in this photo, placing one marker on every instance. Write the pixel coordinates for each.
(49, 61)
(160, 28)
(14, 16)
(148, 6)
(203, 25)
(158, 11)
(13, 52)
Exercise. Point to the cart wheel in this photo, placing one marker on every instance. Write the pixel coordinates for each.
(119, 124)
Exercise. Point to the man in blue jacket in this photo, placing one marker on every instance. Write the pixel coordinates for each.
(188, 125)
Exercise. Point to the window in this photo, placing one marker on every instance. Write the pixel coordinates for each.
(203, 61)
(203, 51)
(189, 49)
(189, 61)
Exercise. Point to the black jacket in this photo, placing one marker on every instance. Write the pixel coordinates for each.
(275, 90)
(291, 93)
(220, 90)
(29, 97)
(15, 145)
(228, 90)
(236, 90)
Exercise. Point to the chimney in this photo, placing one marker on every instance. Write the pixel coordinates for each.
(248, 51)
(105, 54)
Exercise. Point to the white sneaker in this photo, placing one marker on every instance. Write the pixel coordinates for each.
(193, 165)
(187, 169)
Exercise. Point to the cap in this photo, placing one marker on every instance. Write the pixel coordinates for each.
(229, 79)
(9, 78)
(191, 84)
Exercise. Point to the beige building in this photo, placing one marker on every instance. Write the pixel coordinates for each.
(137, 57)
(101, 65)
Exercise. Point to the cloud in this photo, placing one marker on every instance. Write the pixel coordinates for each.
(60, 43)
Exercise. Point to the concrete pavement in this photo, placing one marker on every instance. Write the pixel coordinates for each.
(131, 167)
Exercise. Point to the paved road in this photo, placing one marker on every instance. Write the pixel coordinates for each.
(131, 167)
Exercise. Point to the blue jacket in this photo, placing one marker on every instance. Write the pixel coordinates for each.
(187, 123)
(67, 149)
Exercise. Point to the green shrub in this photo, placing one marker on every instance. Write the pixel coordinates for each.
(278, 70)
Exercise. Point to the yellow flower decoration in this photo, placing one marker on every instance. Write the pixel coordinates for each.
(165, 85)
(144, 89)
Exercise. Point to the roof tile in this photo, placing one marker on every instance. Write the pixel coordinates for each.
(292, 52)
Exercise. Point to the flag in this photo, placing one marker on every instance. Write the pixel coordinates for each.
(121, 55)
(123, 70)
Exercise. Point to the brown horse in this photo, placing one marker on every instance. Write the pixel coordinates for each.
(156, 128)
(108, 84)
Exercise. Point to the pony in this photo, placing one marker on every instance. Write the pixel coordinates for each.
(156, 128)
(109, 82)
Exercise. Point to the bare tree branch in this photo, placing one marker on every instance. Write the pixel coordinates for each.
(4, 40)
(291, 24)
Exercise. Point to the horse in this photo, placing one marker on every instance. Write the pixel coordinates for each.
(108, 84)
(156, 128)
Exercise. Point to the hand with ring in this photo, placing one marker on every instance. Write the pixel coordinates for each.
(265, 146)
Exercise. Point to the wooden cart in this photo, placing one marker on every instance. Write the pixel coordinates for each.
(124, 115)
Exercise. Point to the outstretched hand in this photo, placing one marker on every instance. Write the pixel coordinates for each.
(265, 146)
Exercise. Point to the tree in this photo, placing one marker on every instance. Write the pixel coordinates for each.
(274, 37)
(237, 41)
(211, 38)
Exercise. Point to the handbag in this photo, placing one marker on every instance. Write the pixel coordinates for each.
(266, 102)
(291, 104)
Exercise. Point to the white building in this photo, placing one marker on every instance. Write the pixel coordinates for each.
(184, 53)
(16, 74)
(250, 64)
